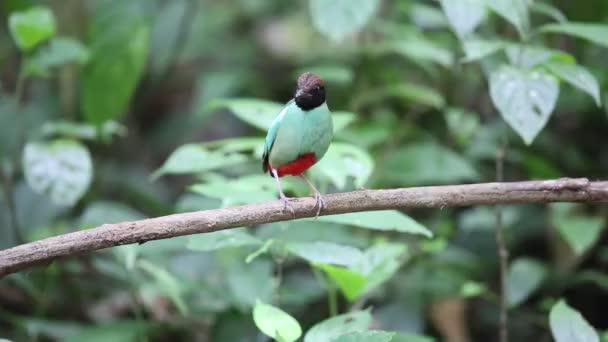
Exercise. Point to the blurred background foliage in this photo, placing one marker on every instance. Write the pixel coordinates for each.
(120, 110)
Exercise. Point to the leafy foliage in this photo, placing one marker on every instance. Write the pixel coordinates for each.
(95, 96)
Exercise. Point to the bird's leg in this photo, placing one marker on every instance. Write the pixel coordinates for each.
(284, 199)
(320, 201)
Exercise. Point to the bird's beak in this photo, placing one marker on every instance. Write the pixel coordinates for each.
(299, 92)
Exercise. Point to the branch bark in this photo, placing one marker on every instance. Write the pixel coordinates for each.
(108, 235)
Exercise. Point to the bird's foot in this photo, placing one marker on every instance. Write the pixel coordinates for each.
(287, 204)
(320, 203)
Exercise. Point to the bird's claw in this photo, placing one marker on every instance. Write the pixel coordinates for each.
(319, 204)
(287, 205)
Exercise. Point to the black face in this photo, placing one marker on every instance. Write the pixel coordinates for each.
(310, 97)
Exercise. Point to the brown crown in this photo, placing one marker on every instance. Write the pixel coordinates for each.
(309, 80)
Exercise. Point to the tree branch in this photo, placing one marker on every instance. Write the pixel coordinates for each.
(108, 235)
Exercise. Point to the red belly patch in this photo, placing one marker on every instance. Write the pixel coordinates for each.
(298, 166)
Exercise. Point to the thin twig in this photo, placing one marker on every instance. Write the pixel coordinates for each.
(109, 235)
(503, 252)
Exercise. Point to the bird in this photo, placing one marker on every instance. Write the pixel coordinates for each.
(299, 136)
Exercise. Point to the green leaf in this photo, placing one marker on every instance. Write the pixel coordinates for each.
(406, 337)
(580, 232)
(331, 328)
(116, 65)
(244, 190)
(31, 27)
(525, 99)
(339, 19)
(596, 33)
(351, 283)
(419, 48)
(380, 220)
(366, 336)
(408, 92)
(85, 131)
(167, 283)
(120, 331)
(326, 253)
(578, 76)
(61, 169)
(260, 113)
(476, 49)
(568, 325)
(195, 158)
(249, 282)
(378, 264)
(514, 11)
(426, 163)
(526, 56)
(464, 15)
(331, 73)
(343, 161)
(223, 239)
(276, 323)
(58, 52)
(462, 124)
(548, 10)
(524, 277)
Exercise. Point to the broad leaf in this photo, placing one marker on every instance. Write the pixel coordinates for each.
(426, 163)
(580, 232)
(380, 220)
(249, 282)
(195, 158)
(276, 323)
(326, 253)
(223, 239)
(60, 51)
(116, 331)
(350, 282)
(525, 99)
(548, 10)
(332, 328)
(244, 190)
(366, 336)
(343, 161)
(61, 169)
(514, 11)
(525, 276)
(32, 27)
(338, 19)
(568, 325)
(476, 49)
(526, 56)
(409, 93)
(102, 212)
(596, 33)
(260, 113)
(120, 48)
(464, 15)
(578, 76)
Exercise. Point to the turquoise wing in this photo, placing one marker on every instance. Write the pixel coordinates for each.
(271, 136)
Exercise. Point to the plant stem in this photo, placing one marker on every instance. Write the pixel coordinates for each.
(503, 253)
(332, 297)
(6, 176)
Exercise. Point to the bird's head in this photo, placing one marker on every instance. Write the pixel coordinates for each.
(310, 92)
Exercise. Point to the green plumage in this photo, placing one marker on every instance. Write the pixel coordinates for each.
(295, 132)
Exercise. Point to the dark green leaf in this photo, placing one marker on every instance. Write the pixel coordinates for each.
(380, 220)
(102, 212)
(276, 323)
(578, 76)
(326, 253)
(339, 19)
(464, 15)
(116, 65)
(548, 10)
(426, 163)
(514, 11)
(525, 99)
(195, 158)
(334, 327)
(61, 169)
(167, 284)
(222, 239)
(60, 51)
(568, 325)
(580, 232)
(596, 33)
(524, 277)
(32, 27)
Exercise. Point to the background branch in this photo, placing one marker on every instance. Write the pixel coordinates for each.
(44, 251)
